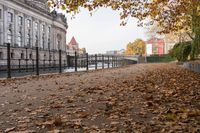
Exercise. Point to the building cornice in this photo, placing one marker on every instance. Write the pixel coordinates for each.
(38, 10)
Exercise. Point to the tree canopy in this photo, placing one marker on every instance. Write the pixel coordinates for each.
(171, 15)
(135, 48)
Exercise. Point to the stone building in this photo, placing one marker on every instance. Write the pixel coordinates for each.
(73, 46)
(27, 24)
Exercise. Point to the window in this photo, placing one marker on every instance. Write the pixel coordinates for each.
(59, 38)
(50, 57)
(43, 28)
(30, 56)
(10, 17)
(58, 45)
(20, 20)
(1, 34)
(1, 55)
(0, 13)
(19, 39)
(49, 36)
(36, 26)
(29, 23)
(28, 40)
(48, 43)
(43, 42)
(9, 39)
(36, 34)
(49, 30)
(36, 40)
(12, 55)
(22, 55)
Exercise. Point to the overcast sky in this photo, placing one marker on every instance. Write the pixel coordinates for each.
(102, 32)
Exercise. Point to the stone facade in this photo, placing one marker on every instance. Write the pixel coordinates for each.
(27, 24)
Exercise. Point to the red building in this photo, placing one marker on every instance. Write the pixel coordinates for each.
(73, 46)
(155, 46)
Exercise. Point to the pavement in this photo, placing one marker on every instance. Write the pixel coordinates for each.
(160, 97)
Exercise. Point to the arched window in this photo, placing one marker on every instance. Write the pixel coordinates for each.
(9, 39)
(28, 40)
(49, 36)
(36, 26)
(0, 13)
(19, 39)
(20, 20)
(43, 41)
(28, 23)
(10, 17)
(36, 40)
(59, 40)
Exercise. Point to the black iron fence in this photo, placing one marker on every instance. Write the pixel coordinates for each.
(14, 67)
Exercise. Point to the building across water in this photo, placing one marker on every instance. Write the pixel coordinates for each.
(27, 24)
(73, 46)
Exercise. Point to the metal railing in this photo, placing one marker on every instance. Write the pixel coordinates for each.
(12, 67)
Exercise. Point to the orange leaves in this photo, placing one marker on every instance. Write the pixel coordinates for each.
(136, 48)
(169, 14)
(138, 98)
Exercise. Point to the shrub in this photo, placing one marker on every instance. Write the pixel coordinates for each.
(160, 58)
(181, 51)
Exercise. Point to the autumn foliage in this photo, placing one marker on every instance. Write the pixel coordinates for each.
(170, 15)
(136, 48)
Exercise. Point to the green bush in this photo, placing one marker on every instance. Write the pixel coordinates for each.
(160, 58)
(181, 51)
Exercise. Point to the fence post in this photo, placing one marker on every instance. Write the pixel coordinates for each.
(60, 61)
(117, 62)
(68, 60)
(87, 62)
(108, 62)
(95, 61)
(112, 62)
(54, 64)
(75, 58)
(33, 64)
(8, 61)
(102, 61)
(49, 64)
(44, 65)
(19, 65)
(26, 59)
(37, 61)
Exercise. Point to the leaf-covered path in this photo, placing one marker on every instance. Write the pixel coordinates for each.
(139, 98)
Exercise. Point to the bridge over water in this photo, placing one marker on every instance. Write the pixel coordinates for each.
(135, 58)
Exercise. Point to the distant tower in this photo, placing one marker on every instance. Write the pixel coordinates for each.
(73, 43)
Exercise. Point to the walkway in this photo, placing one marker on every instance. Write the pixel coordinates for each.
(142, 97)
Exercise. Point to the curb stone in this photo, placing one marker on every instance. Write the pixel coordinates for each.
(192, 66)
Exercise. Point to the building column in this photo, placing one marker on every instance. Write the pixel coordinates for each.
(24, 29)
(5, 39)
(32, 33)
(1, 25)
